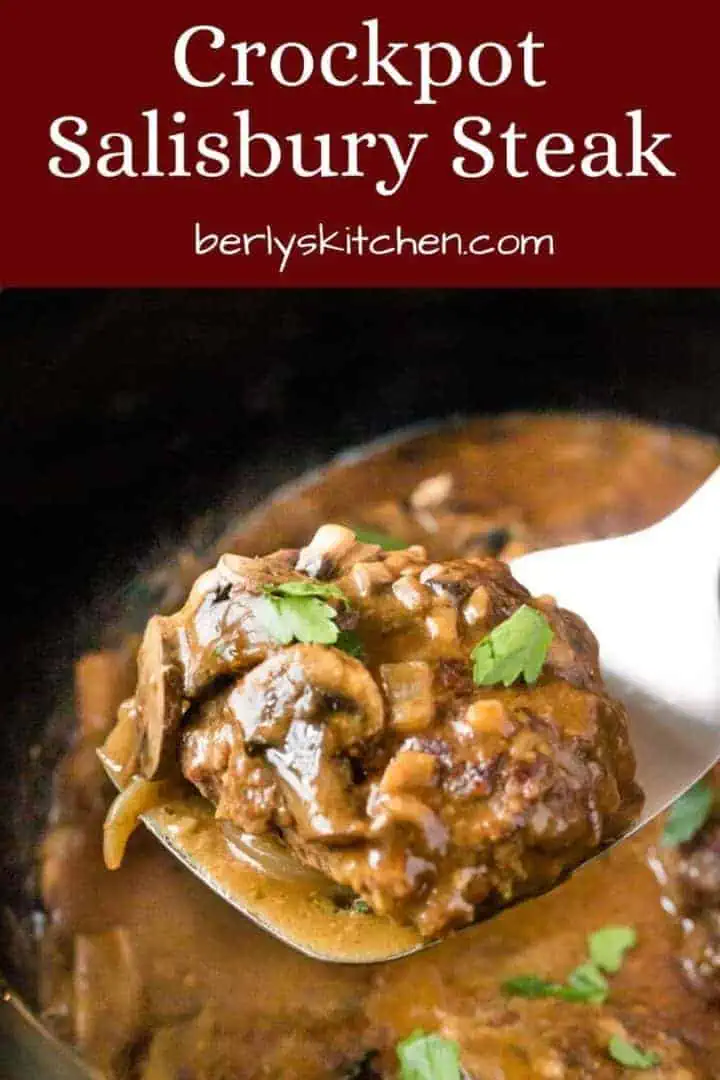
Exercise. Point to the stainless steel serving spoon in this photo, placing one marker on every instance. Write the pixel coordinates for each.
(652, 599)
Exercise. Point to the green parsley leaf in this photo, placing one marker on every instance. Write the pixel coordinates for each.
(297, 611)
(607, 946)
(518, 646)
(428, 1057)
(585, 984)
(304, 619)
(350, 643)
(387, 543)
(530, 986)
(588, 984)
(688, 815)
(360, 906)
(630, 1055)
(305, 588)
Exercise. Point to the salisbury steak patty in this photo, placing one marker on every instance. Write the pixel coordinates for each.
(689, 873)
(335, 696)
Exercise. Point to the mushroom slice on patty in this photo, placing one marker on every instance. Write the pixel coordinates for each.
(310, 710)
(310, 683)
(307, 712)
(159, 704)
(399, 776)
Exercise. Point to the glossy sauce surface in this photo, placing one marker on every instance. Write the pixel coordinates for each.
(154, 977)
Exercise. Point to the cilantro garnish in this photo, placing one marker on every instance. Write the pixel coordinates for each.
(360, 906)
(428, 1057)
(630, 1055)
(587, 983)
(518, 646)
(350, 643)
(305, 588)
(530, 986)
(688, 815)
(607, 947)
(387, 543)
(298, 611)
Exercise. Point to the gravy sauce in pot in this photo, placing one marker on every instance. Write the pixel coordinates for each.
(152, 977)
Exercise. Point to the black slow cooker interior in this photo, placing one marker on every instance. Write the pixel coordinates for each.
(129, 414)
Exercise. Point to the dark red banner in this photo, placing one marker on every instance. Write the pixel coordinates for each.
(340, 144)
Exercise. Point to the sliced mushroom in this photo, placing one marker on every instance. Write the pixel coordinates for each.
(308, 708)
(219, 629)
(108, 996)
(318, 786)
(313, 684)
(158, 698)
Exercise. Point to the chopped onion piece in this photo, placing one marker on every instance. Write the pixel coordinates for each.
(411, 594)
(442, 626)
(408, 689)
(432, 492)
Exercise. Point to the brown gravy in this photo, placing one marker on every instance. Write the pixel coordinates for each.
(153, 977)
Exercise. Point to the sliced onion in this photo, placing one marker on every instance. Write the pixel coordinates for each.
(269, 855)
(137, 798)
(120, 750)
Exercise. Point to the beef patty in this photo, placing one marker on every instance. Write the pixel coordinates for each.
(429, 791)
